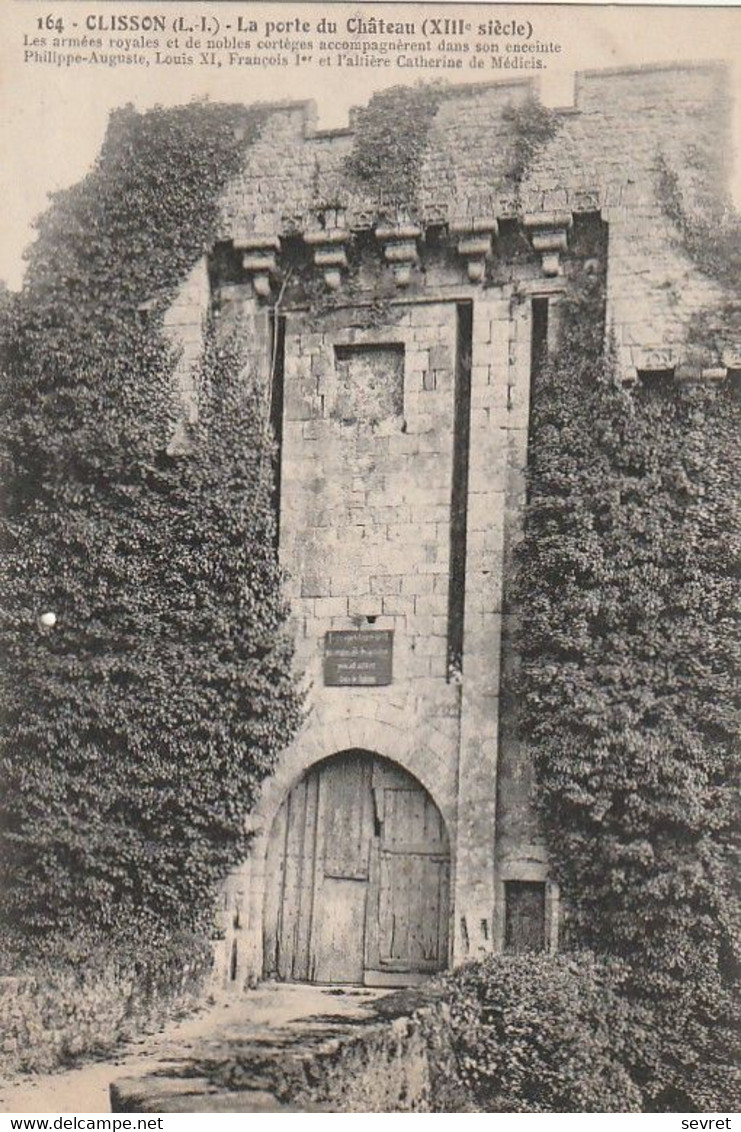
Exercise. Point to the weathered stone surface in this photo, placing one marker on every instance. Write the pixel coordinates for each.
(153, 1094)
(377, 1058)
(367, 463)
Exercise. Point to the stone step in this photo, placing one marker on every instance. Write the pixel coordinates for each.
(375, 1055)
(190, 1094)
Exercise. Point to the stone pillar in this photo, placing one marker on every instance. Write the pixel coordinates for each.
(479, 691)
(184, 324)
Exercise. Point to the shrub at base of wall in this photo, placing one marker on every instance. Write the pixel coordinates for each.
(66, 1006)
(536, 1033)
(512, 1033)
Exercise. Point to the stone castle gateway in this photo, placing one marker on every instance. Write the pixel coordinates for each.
(399, 349)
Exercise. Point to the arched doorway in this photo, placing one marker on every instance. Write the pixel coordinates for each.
(358, 877)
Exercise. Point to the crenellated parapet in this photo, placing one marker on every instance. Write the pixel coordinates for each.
(472, 191)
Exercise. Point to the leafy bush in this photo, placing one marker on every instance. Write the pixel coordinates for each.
(137, 731)
(72, 998)
(541, 1034)
(628, 586)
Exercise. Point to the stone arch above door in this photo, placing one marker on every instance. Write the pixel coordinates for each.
(357, 877)
(430, 760)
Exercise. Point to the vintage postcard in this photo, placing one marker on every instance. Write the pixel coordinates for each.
(370, 456)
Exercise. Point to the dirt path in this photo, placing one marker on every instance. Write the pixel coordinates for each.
(85, 1088)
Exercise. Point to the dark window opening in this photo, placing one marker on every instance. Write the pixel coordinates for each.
(524, 916)
(145, 311)
(656, 380)
(538, 341)
(538, 362)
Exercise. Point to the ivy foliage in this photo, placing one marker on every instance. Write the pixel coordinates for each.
(628, 585)
(537, 1033)
(392, 139)
(138, 728)
(710, 232)
(530, 127)
(130, 231)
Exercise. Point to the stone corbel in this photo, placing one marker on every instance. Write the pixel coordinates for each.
(330, 253)
(259, 260)
(475, 243)
(400, 250)
(549, 234)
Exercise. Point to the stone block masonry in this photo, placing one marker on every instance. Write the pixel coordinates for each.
(401, 400)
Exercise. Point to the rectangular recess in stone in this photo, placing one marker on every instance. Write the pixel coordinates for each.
(358, 657)
(524, 916)
(655, 380)
(370, 383)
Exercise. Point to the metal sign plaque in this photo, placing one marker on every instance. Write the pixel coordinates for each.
(358, 657)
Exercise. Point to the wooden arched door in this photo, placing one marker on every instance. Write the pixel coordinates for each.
(358, 877)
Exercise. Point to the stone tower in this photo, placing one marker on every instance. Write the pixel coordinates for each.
(398, 347)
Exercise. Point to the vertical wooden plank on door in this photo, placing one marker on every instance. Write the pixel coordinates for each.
(443, 925)
(274, 869)
(341, 871)
(305, 910)
(339, 931)
(372, 934)
(288, 926)
(317, 872)
(348, 819)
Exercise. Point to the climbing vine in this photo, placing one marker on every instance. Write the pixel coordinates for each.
(710, 233)
(138, 726)
(627, 579)
(391, 140)
(530, 127)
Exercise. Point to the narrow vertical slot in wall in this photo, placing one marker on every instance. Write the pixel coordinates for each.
(459, 490)
(277, 364)
(538, 353)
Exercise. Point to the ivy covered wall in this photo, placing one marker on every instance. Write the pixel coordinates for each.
(147, 685)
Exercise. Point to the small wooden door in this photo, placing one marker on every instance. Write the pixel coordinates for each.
(410, 879)
(357, 882)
